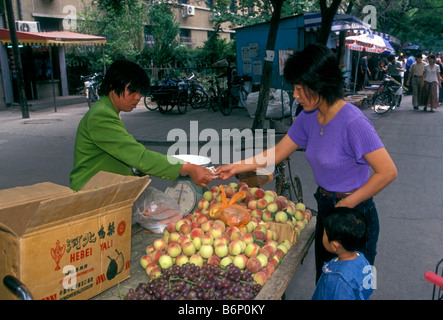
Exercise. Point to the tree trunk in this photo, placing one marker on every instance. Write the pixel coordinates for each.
(265, 81)
(327, 17)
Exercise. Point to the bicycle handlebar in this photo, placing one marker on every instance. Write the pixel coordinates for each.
(17, 288)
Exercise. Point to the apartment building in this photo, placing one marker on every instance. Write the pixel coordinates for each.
(44, 65)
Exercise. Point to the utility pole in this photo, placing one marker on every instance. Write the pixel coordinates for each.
(17, 59)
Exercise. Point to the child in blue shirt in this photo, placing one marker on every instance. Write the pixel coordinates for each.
(349, 276)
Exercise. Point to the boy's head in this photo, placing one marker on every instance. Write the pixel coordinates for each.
(346, 227)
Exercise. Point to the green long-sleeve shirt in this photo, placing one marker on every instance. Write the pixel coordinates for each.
(103, 144)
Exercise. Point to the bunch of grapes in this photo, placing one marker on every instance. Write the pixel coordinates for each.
(191, 282)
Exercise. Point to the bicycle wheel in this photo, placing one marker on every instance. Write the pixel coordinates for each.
(297, 188)
(163, 108)
(199, 98)
(182, 104)
(224, 103)
(213, 100)
(149, 107)
(383, 102)
(92, 97)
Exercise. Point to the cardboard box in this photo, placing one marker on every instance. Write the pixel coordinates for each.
(68, 245)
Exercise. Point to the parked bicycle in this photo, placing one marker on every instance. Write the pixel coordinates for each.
(214, 90)
(92, 87)
(233, 96)
(197, 96)
(388, 95)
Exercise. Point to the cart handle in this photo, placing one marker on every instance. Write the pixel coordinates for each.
(434, 278)
(17, 287)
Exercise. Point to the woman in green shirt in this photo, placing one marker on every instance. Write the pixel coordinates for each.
(103, 144)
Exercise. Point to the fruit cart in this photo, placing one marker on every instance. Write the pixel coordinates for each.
(272, 290)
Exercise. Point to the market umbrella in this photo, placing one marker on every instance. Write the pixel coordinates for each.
(365, 42)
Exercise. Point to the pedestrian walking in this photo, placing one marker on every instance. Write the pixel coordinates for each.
(431, 84)
(416, 75)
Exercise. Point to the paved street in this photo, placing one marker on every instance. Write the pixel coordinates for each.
(40, 149)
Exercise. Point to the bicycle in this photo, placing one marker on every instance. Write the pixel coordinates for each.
(436, 278)
(92, 87)
(234, 95)
(287, 184)
(214, 91)
(197, 96)
(388, 95)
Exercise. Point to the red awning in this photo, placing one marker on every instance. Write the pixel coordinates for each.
(53, 38)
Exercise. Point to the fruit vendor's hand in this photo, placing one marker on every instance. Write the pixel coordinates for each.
(200, 175)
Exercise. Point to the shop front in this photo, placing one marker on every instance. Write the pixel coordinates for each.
(43, 62)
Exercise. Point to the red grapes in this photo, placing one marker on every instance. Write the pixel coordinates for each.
(191, 282)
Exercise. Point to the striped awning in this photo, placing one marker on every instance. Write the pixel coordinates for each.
(342, 22)
(53, 38)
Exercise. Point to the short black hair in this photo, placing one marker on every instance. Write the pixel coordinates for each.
(419, 56)
(391, 57)
(316, 69)
(346, 226)
(124, 73)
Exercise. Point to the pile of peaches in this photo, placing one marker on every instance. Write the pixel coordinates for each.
(254, 246)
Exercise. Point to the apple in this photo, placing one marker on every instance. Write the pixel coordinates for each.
(185, 228)
(263, 259)
(281, 217)
(206, 250)
(214, 260)
(287, 243)
(248, 238)
(206, 225)
(301, 206)
(201, 218)
(207, 239)
(221, 250)
(259, 193)
(188, 248)
(159, 244)
(225, 261)
(235, 247)
(240, 261)
(269, 198)
(299, 214)
(267, 216)
(252, 250)
(283, 248)
(260, 277)
(216, 231)
(165, 261)
(155, 273)
(197, 242)
(174, 249)
(150, 249)
(259, 235)
(253, 265)
(150, 266)
(181, 260)
(145, 260)
(262, 203)
(272, 206)
(208, 195)
(197, 233)
(196, 259)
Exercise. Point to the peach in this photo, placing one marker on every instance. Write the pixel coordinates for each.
(197, 233)
(240, 261)
(252, 250)
(159, 244)
(188, 248)
(174, 249)
(260, 277)
(253, 265)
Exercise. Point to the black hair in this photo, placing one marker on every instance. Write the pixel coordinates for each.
(316, 69)
(346, 226)
(418, 55)
(391, 57)
(124, 73)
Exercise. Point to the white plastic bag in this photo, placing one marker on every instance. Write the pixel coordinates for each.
(274, 110)
(154, 210)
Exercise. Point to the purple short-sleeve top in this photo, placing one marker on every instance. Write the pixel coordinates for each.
(337, 156)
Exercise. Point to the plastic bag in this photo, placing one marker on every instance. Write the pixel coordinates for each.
(274, 110)
(154, 210)
(230, 213)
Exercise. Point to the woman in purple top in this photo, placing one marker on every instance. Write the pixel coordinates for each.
(341, 146)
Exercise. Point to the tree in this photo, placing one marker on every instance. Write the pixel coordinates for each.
(327, 17)
(164, 28)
